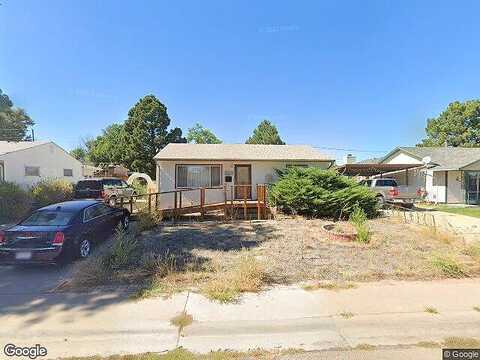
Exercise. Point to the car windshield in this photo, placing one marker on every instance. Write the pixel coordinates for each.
(45, 218)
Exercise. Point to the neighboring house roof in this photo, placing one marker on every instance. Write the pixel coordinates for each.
(446, 158)
(7, 147)
(370, 161)
(241, 152)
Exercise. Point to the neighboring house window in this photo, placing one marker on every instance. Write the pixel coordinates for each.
(67, 172)
(194, 176)
(32, 171)
(2, 173)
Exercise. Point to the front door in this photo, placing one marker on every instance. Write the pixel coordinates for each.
(243, 181)
(472, 187)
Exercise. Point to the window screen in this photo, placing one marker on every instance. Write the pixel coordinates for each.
(32, 171)
(194, 176)
(67, 172)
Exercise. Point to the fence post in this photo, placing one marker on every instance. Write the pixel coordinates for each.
(224, 202)
(245, 202)
(259, 194)
(202, 202)
(131, 204)
(180, 200)
(149, 203)
(232, 194)
(156, 201)
(121, 202)
(175, 205)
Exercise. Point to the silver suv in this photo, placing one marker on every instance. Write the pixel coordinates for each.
(388, 191)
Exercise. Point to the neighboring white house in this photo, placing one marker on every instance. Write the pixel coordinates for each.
(447, 174)
(223, 166)
(27, 162)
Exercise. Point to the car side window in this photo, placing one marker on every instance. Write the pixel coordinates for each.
(124, 184)
(117, 183)
(104, 209)
(92, 212)
(386, 183)
(108, 183)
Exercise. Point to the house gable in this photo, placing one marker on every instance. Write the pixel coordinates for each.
(399, 156)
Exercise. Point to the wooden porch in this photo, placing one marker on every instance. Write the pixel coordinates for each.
(203, 202)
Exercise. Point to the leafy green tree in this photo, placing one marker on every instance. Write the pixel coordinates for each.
(147, 133)
(108, 148)
(458, 125)
(79, 153)
(14, 122)
(201, 135)
(265, 133)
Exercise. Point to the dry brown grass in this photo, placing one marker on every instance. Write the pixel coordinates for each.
(428, 344)
(367, 347)
(208, 256)
(247, 275)
(346, 314)
(461, 342)
(330, 285)
(181, 320)
(431, 310)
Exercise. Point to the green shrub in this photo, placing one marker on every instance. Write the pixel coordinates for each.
(358, 219)
(321, 193)
(51, 191)
(147, 220)
(15, 203)
(124, 252)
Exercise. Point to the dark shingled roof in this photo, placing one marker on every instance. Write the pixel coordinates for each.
(445, 157)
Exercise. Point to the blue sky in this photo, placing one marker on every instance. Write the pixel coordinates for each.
(355, 74)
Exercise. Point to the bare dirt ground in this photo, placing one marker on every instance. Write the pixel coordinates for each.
(295, 249)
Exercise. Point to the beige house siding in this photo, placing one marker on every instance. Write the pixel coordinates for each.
(262, 172)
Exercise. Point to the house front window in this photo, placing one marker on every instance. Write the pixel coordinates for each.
(32, 171)
(68, 172)
(195, 176)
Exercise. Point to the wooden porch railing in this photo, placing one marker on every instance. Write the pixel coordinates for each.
(246, 201)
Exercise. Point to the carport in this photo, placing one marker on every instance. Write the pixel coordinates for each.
(368, 170)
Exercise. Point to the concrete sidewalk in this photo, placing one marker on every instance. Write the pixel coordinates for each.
(384, 313)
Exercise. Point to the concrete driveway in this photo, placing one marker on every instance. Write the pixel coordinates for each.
(22, 285)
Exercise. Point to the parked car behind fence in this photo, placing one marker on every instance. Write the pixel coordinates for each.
(108, 189)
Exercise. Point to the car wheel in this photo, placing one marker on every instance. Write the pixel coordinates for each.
(380, 201)
(112, 201)
(84, 249)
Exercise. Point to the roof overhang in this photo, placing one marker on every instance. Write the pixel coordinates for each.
(240, 159)
(373, 169)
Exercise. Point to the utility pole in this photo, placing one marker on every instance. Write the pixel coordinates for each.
(33, 135)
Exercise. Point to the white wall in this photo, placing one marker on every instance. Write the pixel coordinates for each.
(435, 186)
(456, 191)
(51, 159)
(262, 172)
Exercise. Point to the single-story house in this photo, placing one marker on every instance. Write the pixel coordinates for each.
(447, 174)
(27, 162)
(215, 166)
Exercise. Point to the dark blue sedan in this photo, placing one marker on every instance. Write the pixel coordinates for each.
(63, 231)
